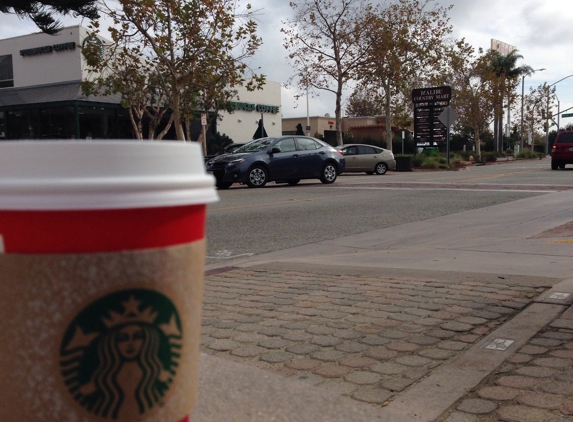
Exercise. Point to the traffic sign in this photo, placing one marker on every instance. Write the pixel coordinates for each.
(448, 116)
(567, 115)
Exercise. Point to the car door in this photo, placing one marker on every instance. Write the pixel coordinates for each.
(283, 165)
(312, 155)
(351, 157)
(366, 158)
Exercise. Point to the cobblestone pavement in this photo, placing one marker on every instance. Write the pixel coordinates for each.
(535, 385)
(371, 337)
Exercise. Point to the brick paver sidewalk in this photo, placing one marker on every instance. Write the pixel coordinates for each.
(535, 385)
(366, 337)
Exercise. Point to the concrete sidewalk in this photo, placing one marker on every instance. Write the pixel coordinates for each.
(458, 318)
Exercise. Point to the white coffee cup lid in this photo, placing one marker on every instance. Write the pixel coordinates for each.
(76, 175)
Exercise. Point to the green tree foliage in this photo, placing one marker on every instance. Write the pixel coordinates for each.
(40, 12)
(473, 97)
(535, 104)
(505, 78)
(327, 43)
(364, 103)
(185, 55)
(408, 40)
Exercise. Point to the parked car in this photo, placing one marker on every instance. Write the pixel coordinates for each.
(229, 149)
(562, 150)
(282, 159)
(367, 158)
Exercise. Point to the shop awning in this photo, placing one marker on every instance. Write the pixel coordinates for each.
(67, 91)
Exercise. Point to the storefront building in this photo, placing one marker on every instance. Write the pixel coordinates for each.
(364, 129)
(41, 97)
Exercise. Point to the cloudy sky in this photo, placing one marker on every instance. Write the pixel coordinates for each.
(540, 29)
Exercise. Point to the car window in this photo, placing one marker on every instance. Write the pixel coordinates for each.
(255, 146)
(366, 150)
(305, 144)
(232, 148)
(349, 151)
(565, 138)
(286, 145)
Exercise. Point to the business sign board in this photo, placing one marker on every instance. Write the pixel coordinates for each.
(502, 47)
(429, 103)
(432, 95)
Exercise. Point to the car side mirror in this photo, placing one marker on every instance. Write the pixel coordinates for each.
(274, 150)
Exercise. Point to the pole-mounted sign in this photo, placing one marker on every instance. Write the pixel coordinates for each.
(448, 117)
(429, 103)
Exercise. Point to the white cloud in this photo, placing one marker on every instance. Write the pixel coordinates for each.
(539, 29)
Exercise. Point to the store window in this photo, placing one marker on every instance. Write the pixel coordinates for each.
(6, 71)
(24, 124)
(57, 123)
(2, 126)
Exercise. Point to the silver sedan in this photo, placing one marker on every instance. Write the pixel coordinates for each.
(367, 158)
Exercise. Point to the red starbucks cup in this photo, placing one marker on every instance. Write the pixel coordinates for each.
(101, 267)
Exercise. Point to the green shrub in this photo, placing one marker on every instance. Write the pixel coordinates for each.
(431, 163)
(442, 161)
(527, 155)
(417, 161)
(466, 155)
(489, 157)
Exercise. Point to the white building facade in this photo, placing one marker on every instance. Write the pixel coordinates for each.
(250, 107)
(40, 95)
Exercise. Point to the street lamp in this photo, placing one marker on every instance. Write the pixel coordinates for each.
(522, 95)
(547, 116)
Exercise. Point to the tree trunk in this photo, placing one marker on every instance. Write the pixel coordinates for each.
(388, 117)
(500, 130)
(478, 146)
(175, 109)
(495, 126)
(136, 125)
(338, 114)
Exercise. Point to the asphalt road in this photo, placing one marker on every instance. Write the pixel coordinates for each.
(247, 221)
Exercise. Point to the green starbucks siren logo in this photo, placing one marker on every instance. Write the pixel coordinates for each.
(119, 355)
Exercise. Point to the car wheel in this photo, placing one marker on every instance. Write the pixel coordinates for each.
(554, 165)
(381, 168)
(561, 166)
(257, 177)
(328, 173)
(293, 182)
(223, 185)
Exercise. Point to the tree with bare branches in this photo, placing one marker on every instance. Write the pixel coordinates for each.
(196, 50)
(407, 42)
(327, 43)
(472, 90)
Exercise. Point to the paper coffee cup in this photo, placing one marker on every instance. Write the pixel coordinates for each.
(101, 272)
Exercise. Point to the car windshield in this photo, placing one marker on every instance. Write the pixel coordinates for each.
(255, 146)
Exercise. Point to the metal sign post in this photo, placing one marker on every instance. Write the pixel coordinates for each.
(204, 126)
(447, 117)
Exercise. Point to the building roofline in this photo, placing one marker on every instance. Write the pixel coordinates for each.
(42, 33)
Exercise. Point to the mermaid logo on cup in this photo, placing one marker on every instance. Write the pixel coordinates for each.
(119, 355)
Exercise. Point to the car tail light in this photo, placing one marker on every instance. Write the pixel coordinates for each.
(340, 152)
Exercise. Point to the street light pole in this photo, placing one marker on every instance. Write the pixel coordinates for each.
(307, 114)
(522, 98)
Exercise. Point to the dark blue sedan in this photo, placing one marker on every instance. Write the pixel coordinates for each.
(283, 159)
